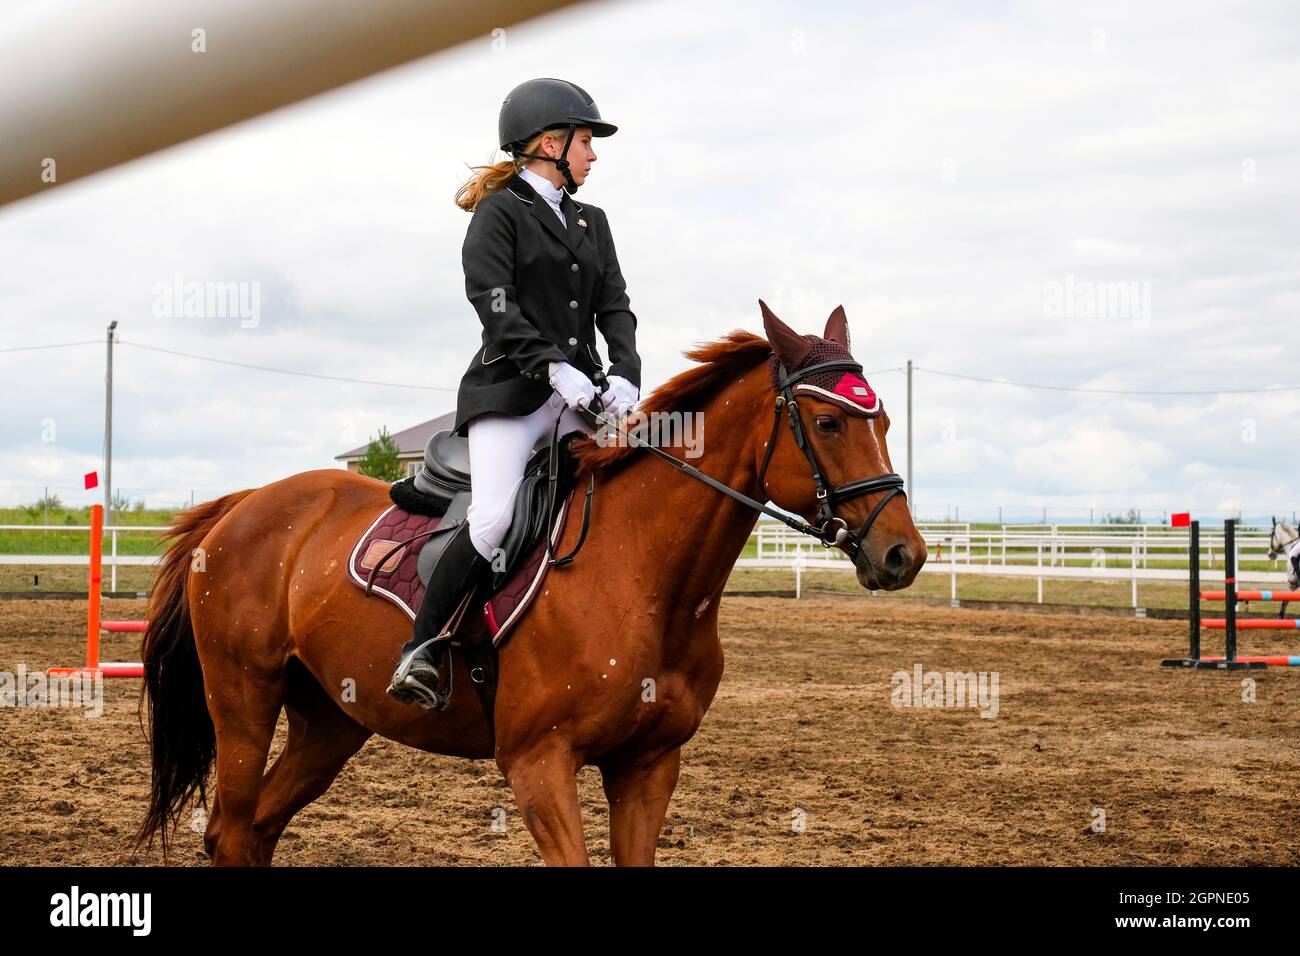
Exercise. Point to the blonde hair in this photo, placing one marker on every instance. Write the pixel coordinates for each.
(491, 178)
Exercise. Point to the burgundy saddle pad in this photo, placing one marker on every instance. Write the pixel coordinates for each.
(398, 581)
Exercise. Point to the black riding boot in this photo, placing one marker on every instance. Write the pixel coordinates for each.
(458, 568)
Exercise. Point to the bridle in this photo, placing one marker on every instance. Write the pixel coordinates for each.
(1275, 545)
(827, 497)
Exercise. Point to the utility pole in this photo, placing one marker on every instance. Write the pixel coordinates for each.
(108, 427)
(911, 498)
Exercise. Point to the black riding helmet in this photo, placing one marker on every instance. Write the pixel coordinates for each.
(538, 105)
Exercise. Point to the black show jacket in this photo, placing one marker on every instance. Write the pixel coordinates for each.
(541, 290)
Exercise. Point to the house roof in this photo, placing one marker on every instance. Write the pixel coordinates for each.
(409, 441)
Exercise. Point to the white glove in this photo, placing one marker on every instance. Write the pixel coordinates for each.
(620, 398)
(573, 386)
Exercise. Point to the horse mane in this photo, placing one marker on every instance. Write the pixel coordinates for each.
(721, 361)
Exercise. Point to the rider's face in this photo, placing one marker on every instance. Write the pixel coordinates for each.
(580, 156)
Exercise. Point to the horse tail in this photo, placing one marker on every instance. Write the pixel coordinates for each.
(181, 736)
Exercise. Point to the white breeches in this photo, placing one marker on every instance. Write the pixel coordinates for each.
(499, 448)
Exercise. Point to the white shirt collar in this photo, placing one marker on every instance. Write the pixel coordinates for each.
(544, 187)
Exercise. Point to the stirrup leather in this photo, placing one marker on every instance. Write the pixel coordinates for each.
(408, 688)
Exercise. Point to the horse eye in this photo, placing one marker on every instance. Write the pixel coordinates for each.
(827, 424)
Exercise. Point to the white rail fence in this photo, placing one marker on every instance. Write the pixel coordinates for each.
(110, 558)
(1119, 552)
(1109, 553)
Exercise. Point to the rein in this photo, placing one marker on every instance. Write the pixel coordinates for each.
(827, 496)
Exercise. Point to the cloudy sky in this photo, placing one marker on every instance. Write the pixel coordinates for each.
(1098, 197)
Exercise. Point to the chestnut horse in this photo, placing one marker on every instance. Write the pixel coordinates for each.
(615, 666)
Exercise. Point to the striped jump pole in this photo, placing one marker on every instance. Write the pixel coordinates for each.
(1252, 595)
(1256, 624)
(1267, 660)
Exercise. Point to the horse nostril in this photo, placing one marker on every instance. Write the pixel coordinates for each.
(898, 559)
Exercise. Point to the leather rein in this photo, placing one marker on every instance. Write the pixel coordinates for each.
(825, 530)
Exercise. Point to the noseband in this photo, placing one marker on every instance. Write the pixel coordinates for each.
(827, 497)
(825, 530)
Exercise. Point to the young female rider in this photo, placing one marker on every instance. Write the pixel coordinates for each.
(541, 272)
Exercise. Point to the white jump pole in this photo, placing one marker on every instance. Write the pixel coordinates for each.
(105, 83)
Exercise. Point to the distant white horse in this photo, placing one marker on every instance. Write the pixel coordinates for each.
(1286, 538)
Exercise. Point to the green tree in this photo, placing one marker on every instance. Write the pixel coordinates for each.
(1133, 517)
(381, 459)
(42, 507)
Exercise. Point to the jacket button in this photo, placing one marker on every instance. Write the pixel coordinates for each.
(573, 341)
(574, 267)
(573, 303)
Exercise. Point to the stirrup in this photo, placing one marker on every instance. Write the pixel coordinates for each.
(409, 689)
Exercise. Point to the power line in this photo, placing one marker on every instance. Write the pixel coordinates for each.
(287, 371)
(441, 388)
(57, 345)
(1115, 391)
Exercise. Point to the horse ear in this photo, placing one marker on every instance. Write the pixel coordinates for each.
(790, 347)
(837, 328)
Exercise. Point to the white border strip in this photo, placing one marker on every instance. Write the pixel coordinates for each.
(527, 599)
(840, 400)
(352, 561)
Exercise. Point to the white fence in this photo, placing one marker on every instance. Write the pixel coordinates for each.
(1123, 552)
(110, 557)
(1103, 553)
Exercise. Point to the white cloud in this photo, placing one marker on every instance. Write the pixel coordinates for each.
(930, 167)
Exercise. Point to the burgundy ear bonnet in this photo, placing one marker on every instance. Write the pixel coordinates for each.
(842, 387)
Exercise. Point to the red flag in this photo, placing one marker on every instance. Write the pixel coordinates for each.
(1182, 519)
(92, 480)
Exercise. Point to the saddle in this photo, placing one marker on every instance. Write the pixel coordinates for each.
(442, 489)
(403, 543)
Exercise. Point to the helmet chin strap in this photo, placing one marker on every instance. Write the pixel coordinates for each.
(562, 164)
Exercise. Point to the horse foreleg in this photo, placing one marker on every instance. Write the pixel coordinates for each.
(638, 797)
(545, 784)
(1282, 612)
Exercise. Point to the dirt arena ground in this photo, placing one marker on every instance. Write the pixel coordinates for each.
(1185, 770)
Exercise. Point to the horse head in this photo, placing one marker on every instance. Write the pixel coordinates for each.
(1282, 537)
(843, 425)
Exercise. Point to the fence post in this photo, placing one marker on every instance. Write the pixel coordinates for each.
(798, 571)
(1133, 562)
(1194, 577)
(952, 571)
(1040, 570)
(1230, 591)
